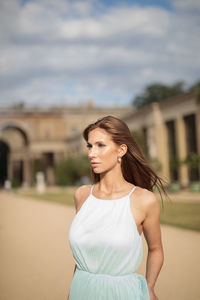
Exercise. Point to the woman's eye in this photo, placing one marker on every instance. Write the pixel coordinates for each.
(100, 145)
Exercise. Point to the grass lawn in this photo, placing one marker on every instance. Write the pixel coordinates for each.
(65, 198)
(181, 214)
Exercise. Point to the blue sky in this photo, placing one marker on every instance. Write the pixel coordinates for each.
(68, 52)
(161, 3)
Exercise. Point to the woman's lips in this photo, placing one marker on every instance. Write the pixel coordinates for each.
(94, 164)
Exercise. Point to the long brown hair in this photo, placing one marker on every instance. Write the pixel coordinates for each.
(135, 168)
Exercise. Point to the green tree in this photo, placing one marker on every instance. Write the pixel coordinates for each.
(70, 171)
(196, 89)
(139, 138)
(157, 92)
(192, 160)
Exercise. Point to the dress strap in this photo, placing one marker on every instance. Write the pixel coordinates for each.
(132, 191)
(91, 188)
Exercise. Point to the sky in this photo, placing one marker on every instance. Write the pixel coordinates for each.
(56, 53)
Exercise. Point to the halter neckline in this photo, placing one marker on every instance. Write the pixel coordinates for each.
(126, 196)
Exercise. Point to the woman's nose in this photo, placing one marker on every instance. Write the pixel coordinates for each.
(92, 152)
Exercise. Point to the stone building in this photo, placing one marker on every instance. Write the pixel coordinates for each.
(33, 139)
(171, 129)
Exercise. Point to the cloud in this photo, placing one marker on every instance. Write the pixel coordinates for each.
(71, 51)
(187, 5)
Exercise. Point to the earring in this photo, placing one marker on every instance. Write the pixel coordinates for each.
(119, 159)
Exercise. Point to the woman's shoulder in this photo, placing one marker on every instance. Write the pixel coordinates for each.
(143, 192)
(82, 189)
(80, 194)
(146, 198)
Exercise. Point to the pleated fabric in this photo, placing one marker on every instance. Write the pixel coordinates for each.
(107, 249)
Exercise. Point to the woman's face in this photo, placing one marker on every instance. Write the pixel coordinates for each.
(102, 151)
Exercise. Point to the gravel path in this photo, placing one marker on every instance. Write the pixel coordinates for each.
(37, 263)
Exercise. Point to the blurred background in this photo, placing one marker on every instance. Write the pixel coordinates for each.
(63, 65)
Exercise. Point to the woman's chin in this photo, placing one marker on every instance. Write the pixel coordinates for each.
(96, 171)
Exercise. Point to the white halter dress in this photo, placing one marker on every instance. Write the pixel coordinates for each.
(107, 250)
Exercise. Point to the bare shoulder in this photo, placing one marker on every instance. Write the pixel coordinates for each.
(80, 195)
(146, 199)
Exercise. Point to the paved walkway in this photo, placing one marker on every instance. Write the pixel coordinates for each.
(37, 263)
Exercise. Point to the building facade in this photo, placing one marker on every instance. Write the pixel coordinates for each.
(38, 139)
(171, 131)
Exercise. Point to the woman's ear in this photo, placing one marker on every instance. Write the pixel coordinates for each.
(123, 149)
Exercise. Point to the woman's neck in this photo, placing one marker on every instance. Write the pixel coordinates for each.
(112, 181)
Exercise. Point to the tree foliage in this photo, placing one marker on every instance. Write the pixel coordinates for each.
(138, 135)
(157, 92)
(70, 171)
(196, 89)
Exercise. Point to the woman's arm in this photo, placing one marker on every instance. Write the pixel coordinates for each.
(152, 233)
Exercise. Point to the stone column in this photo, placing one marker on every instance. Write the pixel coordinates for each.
(50, 175)
(181, 149)
(161, 142)
(197, 118)
(26, 170)
(151, 142)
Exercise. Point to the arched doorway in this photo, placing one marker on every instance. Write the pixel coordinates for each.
(15, 158)
(4, 156)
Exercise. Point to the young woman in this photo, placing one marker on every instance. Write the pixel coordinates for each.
(105, 235)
